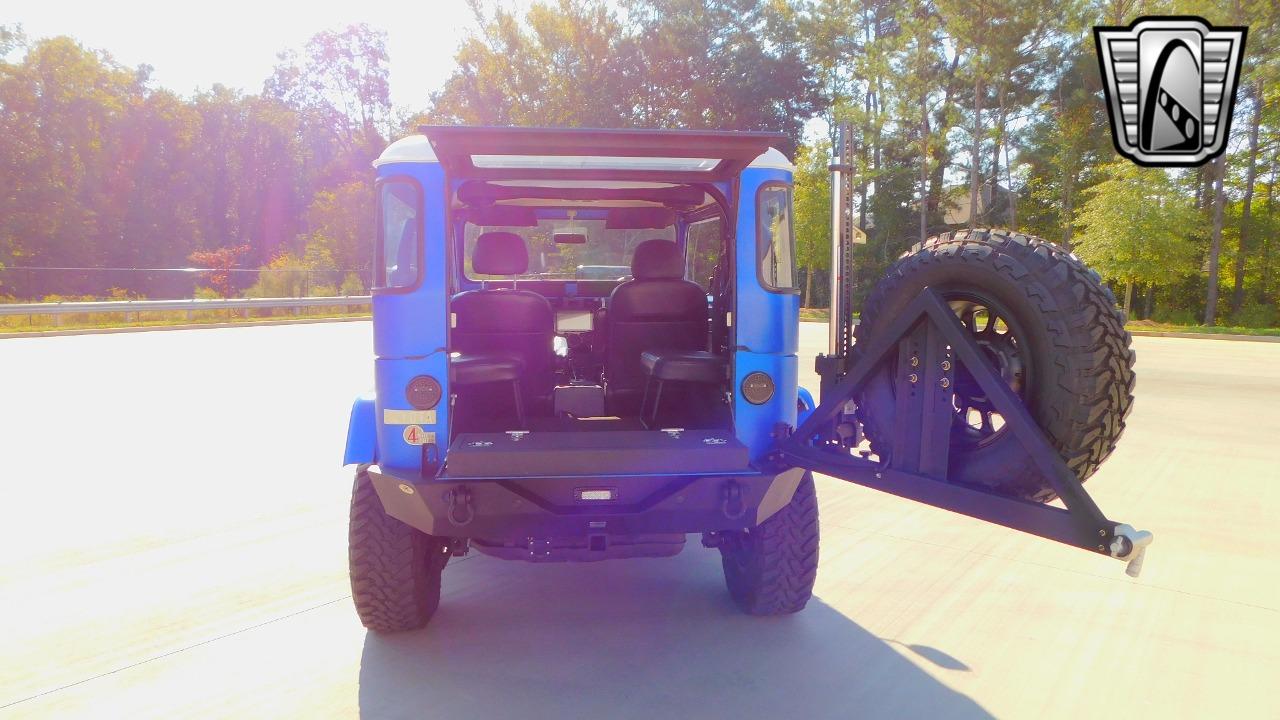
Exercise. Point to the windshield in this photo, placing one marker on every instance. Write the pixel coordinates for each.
(606, 255)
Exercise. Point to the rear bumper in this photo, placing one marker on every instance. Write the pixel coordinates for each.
(524, 508)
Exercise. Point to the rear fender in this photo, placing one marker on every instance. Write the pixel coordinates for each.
(362, 432)
(804, 405)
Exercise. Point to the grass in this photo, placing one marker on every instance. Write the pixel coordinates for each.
(42, 323)
(822, 314)
(100, 321)
(1152, 326)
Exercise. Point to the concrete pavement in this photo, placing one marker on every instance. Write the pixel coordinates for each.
(172, 543)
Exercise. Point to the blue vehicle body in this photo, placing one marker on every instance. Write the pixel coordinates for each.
(533, 401)
(412, 328)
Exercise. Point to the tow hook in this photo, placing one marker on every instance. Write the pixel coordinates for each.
(1129, 544)
(731, 500)
(461, 511)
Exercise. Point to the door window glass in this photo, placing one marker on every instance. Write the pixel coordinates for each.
(704, 247)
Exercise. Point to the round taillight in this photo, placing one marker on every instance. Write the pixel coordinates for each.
(757, 388)
(423, 392)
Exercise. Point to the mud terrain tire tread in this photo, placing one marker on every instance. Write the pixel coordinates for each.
(771, 571)
(1091, 378)
(395, 569)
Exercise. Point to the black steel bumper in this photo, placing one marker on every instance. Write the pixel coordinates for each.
(553, 507)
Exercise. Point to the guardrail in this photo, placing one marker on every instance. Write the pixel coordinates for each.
(133, 307)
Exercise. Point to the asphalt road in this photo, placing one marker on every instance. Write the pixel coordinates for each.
(172, 543)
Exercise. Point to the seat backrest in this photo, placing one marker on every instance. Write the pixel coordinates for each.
(657, 310)
(515, 322)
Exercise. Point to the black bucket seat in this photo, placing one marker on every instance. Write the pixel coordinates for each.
(657, 310)
(505, 322)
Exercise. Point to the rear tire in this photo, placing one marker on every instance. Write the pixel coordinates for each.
(1071, 359)
(395, 569)
(770, 569)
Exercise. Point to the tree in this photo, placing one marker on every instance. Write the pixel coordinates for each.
(1135, 226)
(920, 63)
(343, 215)
(1251, 170)
(1261, 69)
(61, 151)
(220, 262)
(729, 64)
(812, 212)
(102, 167)
(1064, 147)
(559, 65)
(11, 38)
(1218, 174)
(340, 83)
(967, 22)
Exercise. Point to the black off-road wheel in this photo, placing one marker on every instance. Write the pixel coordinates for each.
(1049, 327)
(770, 569)
(395, 569)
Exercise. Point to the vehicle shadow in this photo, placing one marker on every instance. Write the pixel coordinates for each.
(643, 639)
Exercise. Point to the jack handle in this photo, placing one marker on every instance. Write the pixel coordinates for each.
(1131, 545)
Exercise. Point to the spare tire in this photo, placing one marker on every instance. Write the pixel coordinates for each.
(1047, 324)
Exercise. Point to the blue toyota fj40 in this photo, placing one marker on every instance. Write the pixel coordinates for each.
(586, 347)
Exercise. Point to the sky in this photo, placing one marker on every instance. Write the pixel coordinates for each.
(193, 45)
(235, 42)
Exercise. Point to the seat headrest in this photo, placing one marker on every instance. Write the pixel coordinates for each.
(500, 253)
(657, 260)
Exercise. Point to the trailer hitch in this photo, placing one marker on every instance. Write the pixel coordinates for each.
(731, 504)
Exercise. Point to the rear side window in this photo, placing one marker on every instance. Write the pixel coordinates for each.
(703, 249)
(399, 261)
(777, 245)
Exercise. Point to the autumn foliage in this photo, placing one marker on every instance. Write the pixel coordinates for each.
(962, 113)
(220, 263)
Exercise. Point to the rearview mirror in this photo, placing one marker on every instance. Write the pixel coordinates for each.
(570, 238)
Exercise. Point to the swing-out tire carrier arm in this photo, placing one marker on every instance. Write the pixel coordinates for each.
(930, 320)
